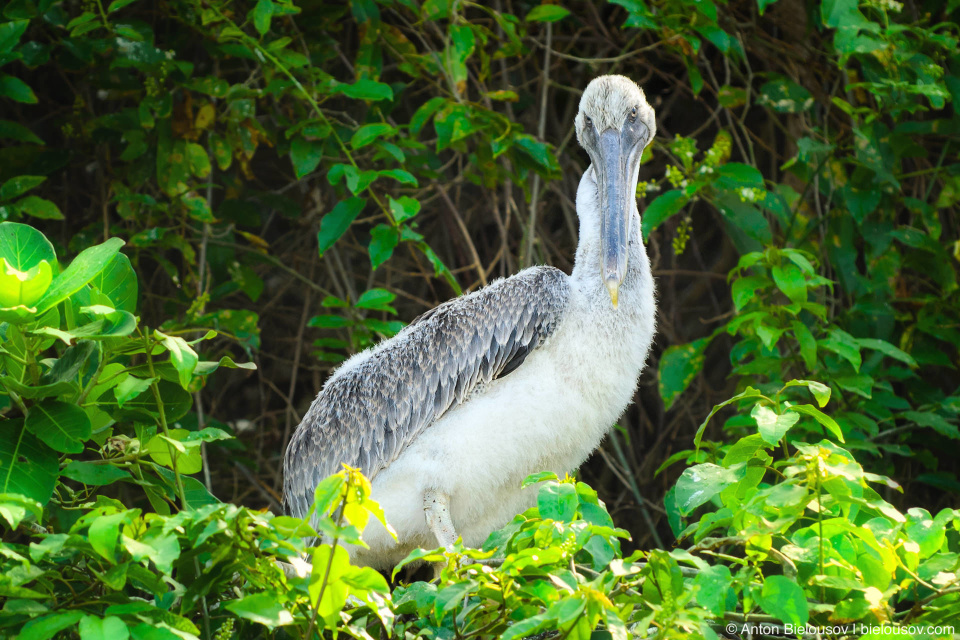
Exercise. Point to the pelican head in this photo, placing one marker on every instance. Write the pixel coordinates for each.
(614, 125)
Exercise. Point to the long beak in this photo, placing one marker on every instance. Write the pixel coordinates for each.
(614, 212)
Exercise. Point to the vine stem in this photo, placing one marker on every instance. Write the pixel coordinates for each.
(326, 573)
(163, 421)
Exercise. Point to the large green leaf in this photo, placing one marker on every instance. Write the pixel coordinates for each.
(109, 628)
(27, 466)
(23, 247)
(82, 270)
(699, 483)
(783, 598)
(19, 185)
(94, 474)
(167, 450)
(118, 281)
(547, 13)
(305, 155)
(16, 89)
(557, 501)
(183, 357)
(660, 209)
(337, 221)
(772, 425)
(50, 625)
(63, 427)
(262, 608)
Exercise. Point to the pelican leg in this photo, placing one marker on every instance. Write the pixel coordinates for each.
(437, 514)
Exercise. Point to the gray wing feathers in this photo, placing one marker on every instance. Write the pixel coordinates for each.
(367, 414)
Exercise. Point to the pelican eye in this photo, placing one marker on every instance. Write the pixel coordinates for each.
(588, 121)
(633, 114)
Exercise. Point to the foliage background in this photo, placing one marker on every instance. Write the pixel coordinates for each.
(428, 148)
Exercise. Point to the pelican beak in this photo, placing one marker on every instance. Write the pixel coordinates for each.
(614, 210)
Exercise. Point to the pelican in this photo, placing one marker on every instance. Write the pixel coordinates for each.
(527, 374)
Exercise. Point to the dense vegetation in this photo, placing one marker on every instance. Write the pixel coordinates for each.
(192, 188)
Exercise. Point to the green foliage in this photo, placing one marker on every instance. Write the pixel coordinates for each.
(88, 413)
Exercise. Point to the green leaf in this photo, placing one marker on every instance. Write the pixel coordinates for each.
(934, 421)
(820, 417)
(424, 112)
(104, 533)
(262, 608)
(744, 290)
(782, 94)
(658, 211)
(94, 474)
(820, 391)
(808, 344)
(49, 626)
(198, 159)
(368, 133)
(366, 90)
(118, 282)
(116, 5)
(10, 33)
(19, 185)
(69, 364)
(383, 240)
(714, 583)
(844, 345)
(81, 271)
(335, 223)
(262, 13)
(679, 364)
(109, 628)
(539, 152)
(23, 247)
(14, 508)
(377, 299)
(27, 466)
(403, 208)
(10, 130)
(131, 387)
(540, 476)
(23, 288)
(305, 156)
(547, 13)
(182, 355)
(39, 208)
(401, 176)
(790, 280)
(734, 176)
(187, 459)
(61, 426)
(783, 598)
(16, 89)
(699, 483)
(557, 501)
(772, 426)
(887, 349)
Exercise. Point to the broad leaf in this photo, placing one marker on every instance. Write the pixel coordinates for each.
(82, 270)
(27, 466)
(61, 426)
(335, 223)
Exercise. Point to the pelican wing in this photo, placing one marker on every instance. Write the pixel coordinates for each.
(370, 411)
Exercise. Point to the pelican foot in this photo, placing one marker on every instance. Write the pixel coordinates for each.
(437, 513)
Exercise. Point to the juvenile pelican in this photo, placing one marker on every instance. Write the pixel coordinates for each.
(527, 374)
